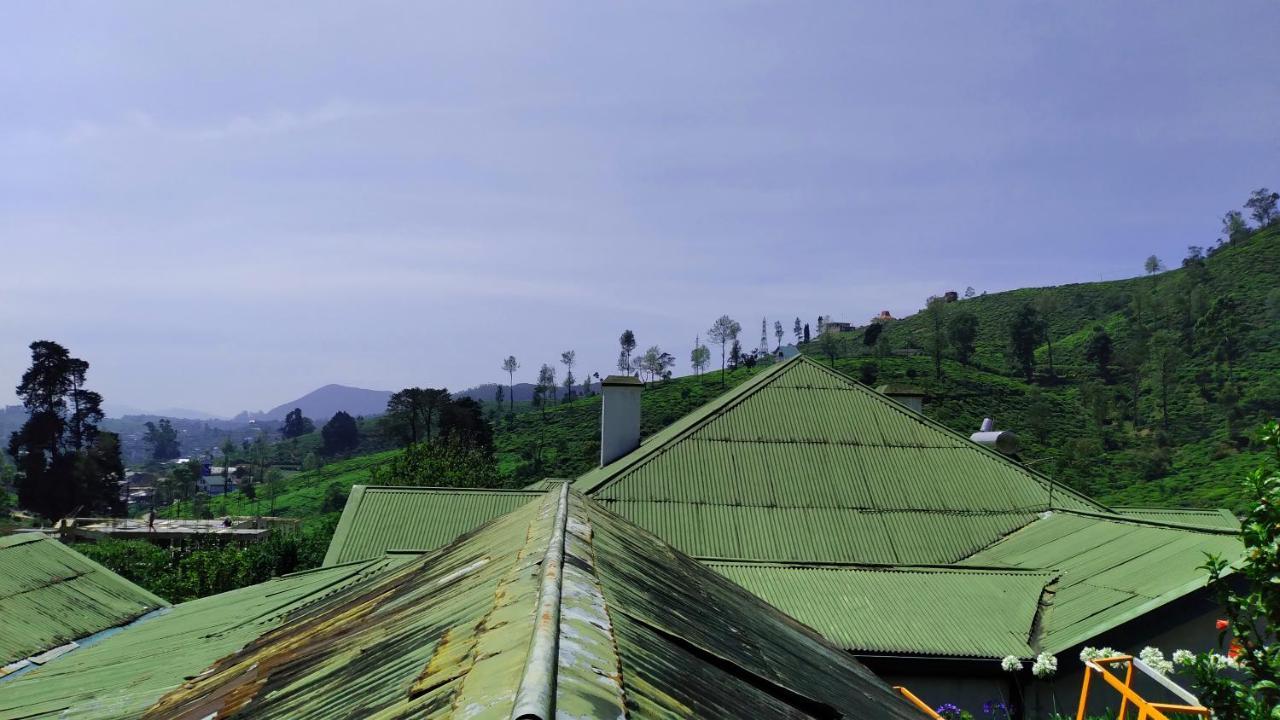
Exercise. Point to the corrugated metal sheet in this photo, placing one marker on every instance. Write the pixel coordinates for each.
(124, 674)
(377, 519)
(800, 419)
(642, 630)
(695, 645)
(804, 463)
(817, 534)
(954, 612)
(1112, 568)
(1221, 518)
(51, 594)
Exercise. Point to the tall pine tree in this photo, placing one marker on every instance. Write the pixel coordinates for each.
(65, 463)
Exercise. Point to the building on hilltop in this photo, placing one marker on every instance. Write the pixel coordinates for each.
(924, 554)
(626, 626)
(836, 327)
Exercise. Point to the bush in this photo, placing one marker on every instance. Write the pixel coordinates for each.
(335, 498)
(1245, 683)
(440, 463)
(868, 372)
(204, 567)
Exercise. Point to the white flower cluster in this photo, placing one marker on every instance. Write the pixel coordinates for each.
(1045, 665)
(1092, 653)
(1155, 658)
(1011, 663)
(1220, 662)
(1183, 657)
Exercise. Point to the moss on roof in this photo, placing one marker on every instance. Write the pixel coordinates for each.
(635, 628)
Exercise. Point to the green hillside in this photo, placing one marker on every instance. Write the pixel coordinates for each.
(1085, 429)
(1074, 425)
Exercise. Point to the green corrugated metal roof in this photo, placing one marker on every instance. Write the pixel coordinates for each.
(947, 611)
(51, 595)
(122, 675)
(633, 628)
(1221, 518)
(803, 464)
(819, 534)
(380, 518)
(1113, 569)
(801, 443)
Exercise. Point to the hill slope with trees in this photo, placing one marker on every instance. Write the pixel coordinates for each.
(1158, 335)
(1138, 391)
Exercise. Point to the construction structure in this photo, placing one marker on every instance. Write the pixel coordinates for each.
(928, 556)
(557, 609)
(165, 531)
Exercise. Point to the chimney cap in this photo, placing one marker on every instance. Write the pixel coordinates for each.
(621, 380)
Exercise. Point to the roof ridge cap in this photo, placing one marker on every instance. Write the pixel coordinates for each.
(536, 694)
(1133, 520)
(885, 567)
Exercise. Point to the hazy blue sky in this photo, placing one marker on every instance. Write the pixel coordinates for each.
(223, 206)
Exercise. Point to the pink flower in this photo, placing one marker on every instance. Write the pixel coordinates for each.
(1222, 624)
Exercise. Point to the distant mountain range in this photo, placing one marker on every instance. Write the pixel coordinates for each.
(323, 403)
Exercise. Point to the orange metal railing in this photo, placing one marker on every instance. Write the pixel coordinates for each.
(1146, 710)
(920, 704)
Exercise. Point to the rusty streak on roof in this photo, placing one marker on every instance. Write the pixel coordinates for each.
(122, 675)
(641, 631)
(803, 464)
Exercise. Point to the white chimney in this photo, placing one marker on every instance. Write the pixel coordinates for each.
(619, 417)
(1001, 441)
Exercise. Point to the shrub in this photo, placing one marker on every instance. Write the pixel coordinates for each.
(442, 463)
(203, 567)
(1244, 684)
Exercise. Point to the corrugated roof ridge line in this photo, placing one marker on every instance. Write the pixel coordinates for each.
(897, 407)
(9, 541)
(873, 567)
(842, 443)
(999, 540)
(686, 425)
(831, 506)
(323, 568)
(1131, 520)
(340, 531)
(449, 489)
(324, 591)
(590, 661)
(535, 698)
